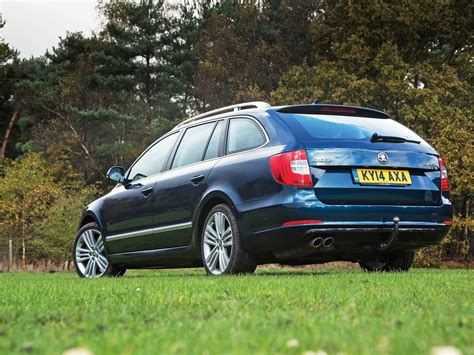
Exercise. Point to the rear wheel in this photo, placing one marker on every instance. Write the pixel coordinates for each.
(399, 262)
(221, 245)
(88, 254)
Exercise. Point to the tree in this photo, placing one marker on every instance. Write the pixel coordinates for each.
(247, 46)
(8, 109)
(141, 56)
(27, 190)
(92, 127)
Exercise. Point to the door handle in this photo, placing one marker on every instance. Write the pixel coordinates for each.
(196, 180)
(147, 192)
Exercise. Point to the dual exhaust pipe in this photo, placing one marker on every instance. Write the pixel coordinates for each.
(304, 250)
(321, 242)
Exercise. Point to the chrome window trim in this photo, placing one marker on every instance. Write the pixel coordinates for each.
(148, 231)
(267, 140)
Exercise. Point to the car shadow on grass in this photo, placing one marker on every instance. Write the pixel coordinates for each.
(260, 273)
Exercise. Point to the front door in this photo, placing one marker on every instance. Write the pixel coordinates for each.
(128, 210)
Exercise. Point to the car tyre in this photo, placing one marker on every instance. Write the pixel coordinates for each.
(89, 255)
(222, 249)
(399, 262)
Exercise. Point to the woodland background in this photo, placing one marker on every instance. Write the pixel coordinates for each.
(97, 101)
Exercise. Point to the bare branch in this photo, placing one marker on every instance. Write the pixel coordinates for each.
(76, 135)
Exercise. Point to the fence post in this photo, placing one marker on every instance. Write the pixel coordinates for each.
(10, 255)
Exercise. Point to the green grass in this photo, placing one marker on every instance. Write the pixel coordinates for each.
(183, 311)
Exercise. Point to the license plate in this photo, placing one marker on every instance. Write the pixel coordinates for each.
(382, 177)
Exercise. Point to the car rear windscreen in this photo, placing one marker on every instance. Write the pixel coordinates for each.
(309, 127)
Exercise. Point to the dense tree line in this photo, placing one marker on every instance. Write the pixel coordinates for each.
(96, 101)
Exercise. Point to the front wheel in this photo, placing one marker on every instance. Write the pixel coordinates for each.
(88, 254)
(221, 244)
(400, 262)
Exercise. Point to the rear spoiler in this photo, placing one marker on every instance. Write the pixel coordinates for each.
(339, 110)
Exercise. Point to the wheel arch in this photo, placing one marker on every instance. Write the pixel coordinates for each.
(212, 199)
(89, 217)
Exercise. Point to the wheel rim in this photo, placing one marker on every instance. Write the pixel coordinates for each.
(90, 254)
(217, 243)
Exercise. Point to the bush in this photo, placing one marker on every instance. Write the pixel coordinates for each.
(55, 233)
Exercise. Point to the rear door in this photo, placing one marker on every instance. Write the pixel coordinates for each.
(180, 188)
(349, 168)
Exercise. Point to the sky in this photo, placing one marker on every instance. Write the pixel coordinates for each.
(32, 26)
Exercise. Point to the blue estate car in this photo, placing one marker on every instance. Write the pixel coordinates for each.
(251, 184)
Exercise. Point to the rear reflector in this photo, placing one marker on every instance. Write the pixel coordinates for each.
(444, 175)
(302, 222)
(448, 223)
(291, 168)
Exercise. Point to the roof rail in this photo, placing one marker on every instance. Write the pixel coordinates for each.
(236, 107)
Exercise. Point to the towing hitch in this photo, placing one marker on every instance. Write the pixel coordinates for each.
(393, 236)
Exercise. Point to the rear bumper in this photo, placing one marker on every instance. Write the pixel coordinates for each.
(348, 238)
(356, 229)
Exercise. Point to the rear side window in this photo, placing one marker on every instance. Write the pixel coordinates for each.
(153, 160)
(244, 134)
(308, 127)
(213, 147)
(191, 148)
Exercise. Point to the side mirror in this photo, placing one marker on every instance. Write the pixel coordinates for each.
(116, 174)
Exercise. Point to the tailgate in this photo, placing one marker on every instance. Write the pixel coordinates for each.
(354, 176)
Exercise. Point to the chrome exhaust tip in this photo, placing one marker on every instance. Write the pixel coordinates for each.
(328, 242)
(316, 242)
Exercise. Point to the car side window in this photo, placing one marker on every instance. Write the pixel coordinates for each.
(244, 134)
(154, 159)
(192, 145)
(212, 150)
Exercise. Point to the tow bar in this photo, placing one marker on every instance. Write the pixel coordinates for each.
(393, 236)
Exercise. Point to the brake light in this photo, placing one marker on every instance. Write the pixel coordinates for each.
(291, 168)
(338, 109)
(444, 175)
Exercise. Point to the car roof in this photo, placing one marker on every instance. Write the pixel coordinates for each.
(260, 107)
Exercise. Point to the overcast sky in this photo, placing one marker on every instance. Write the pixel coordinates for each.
(32, 26)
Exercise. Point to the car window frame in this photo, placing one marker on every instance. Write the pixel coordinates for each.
(222, 143)
(178, 133)
(260, 127)
(180, 139)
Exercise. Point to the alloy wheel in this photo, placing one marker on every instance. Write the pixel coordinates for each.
(217, 243)
(90, 254)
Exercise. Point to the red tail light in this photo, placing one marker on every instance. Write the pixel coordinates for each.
(291, 168)
(444, 175)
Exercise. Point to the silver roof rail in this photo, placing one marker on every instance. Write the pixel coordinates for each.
(236, 107)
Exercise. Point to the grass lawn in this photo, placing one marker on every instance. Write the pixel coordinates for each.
(275, 311)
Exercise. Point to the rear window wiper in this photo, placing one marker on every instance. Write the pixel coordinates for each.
(392, 139)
